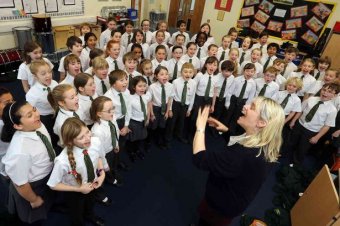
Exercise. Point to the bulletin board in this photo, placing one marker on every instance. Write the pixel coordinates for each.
(296, 20)
(23, 9)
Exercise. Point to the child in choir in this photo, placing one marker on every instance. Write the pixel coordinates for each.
(233, 33)
(160, 57)
(205, 27)
(309, 126)
(290, 55)
(324, 63)
(37, 95)
(130, 65)
(270, 55)
(78, 172)
(233, 57)
(174, 64)
(84, 28)
(212, 51)
(138, 51)
(93, 54)
(72, 67)
(114, 60)
(266, 86)
(100, 75)
(64, 100)
(255, 59)
(160, 37)
(106, 35)
(179, 41)
(32, 52)
(106, 129)
(140, 115)
(74, 44)
(128, 34)
(162, 95)
(224, 82)
(120, 96)
(28, 162)
(279, 64)
(307, 66)
(184, 96)
(138, 39)
(190, 57)
(244, 50)
(200, 40)
(330, 76)
(145, 68)
(145, 27)
(262, 43)
(223, 50)
(163, 27)
(182, 28)
(116, 35)
(84, 84)
(243, 92)
(90, 44)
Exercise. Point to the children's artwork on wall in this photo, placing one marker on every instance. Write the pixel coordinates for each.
(310, 37)
(293, 23)
(321, 10)
(288, 35)
(258, 27)
(248, 11)
(285, 2)
(266, 6)
(251, 2)
(314, 24)
(261, 16)
(299, 11)
(243, 23)
(274, 26)
(280, 13)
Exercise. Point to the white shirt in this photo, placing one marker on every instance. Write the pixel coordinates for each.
(83, 62)
(166, 40)
(210, 40)
(191, 90)
(281, 81)
(307, 81)
(3, 149)
(250, 91)
(114, 96)
(24, 72)
(62, 171)
(258, 68)
(105, 37)
(202, 83)
(89, 70)
(111, 63)
(171, 68)
(102, 130)
(98, 83)
(155, 64)
(148, 37)
(289, 69)
(37, 97)
(264, 59)
(316, 87)
(69, 79)
(173, 37)
(203, 53)
(220, 51)
(195, 61)
(271, 90)
(324, 116)
(170, 51)
(246, 55)
(145, 49)
(219, 82)
(234, 44)
(136, 108)
(27, 159)
(85, 55)
(293, 104)
(155, 90)
(124, 40)
(152, 49)
(84, 107)
(322, 74)
(258, 45)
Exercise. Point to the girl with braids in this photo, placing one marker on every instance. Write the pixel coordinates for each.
(78, 171)
(27, 162)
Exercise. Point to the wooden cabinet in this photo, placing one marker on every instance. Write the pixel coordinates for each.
(332, 49)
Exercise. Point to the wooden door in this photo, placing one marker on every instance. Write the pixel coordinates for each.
(190, 11)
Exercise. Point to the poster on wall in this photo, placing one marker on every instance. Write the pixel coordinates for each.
(51, 6)
(243, 23)
(314, 24)
(321, 10)
(266, 6)
(248, 11)
(7, 4)
(261, 16)
(30, 7)
(310, 37)
(275, 26)
(258, 27)
(284, 2)
(293, 23)
(288, 35)
(224, 5)
(251, 2)
(299, 11)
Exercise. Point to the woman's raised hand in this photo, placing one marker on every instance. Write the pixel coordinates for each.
(217, 124)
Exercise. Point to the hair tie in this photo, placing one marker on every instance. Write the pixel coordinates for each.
(9, 112)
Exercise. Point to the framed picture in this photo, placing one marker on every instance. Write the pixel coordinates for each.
(248, 11)
(7, 4)
(310, 37)
(314, 24)
(69, 2)
(224, 5)
(251, 2)
(243, 23)
(293, 23)
(298, 11)
(321, 10)
(284, 2)
(266, 6)
(261, 16)
(30, 7)
(274, 26)
(258, 27)
(288, 35)
(51, 6)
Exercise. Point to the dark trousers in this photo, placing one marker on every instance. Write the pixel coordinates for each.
(122, 141)
(200, 102)
(178, 122)
(299, 143)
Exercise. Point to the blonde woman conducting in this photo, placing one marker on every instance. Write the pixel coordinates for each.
(237, 172)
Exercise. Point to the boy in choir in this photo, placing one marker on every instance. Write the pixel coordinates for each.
(266, 86)
(105, 36)
(290, 55)
(270, 55)
(182, 28)
(174, 65)
(324, 63)
(212, 51)
(130, 65)
(262, 44)
(279, 65)
(223, 50)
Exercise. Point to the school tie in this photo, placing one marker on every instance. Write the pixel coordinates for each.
(144, 37)
(243, 90)
(129, 39)
(91, 98)
(302, 76)
(284, 70)
(207, 90)
(221, 96)
(261, 47)
(199, 53)
(184, 93)
(122, 104)
(318, 93)
(174, 76)
(104, 87)
(317, 75)
(75, 115)
(285, 101)
(142, 106)
(48, 89)
(263, 90)
(89, 166)
(222, 55)
(113, 134)
(163, 104)
(312, 112)
(47, 144)
(116, 64)
(149, 82)
(242, 57)
(266, 64)
(190, 60)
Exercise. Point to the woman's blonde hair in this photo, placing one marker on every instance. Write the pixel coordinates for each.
(269, 138)
(57, 94)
